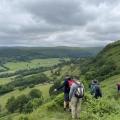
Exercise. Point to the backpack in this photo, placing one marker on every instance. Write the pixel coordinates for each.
(97, 90)
(78, 92)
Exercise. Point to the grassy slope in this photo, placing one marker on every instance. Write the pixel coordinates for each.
(110, 53)
(109, 91)
(43, 87)
(109, 86)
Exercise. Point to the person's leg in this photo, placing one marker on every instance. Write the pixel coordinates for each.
(65, 105)
(66, 101)
(73, 107)
(78, 108)
(69, 106)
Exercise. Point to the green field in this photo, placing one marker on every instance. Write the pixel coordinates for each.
(14, 66)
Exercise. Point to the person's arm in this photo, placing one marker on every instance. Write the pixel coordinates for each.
(63, 84)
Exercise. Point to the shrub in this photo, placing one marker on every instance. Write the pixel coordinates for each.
(35, 93)
(11, 104)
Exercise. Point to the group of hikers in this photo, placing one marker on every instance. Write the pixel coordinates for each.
(74, 92)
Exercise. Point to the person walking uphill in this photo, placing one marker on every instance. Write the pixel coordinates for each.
(66, 85)
(76, 94)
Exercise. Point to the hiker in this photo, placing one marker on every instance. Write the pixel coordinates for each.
(95, 89)
(66, 85)
(75, 96)
(118, 88)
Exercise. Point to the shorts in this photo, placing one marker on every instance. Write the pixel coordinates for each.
(66, 97)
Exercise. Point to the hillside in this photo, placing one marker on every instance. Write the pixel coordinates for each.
(107, 108)
(104, 67)
(105, 64)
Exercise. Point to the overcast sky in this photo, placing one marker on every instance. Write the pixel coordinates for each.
(81, 23)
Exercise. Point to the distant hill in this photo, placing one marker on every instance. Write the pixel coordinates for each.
(28, 53)
(106, 63)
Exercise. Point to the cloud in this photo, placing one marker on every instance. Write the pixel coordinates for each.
(59, 22)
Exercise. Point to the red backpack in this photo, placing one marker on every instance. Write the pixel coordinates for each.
(70, 82)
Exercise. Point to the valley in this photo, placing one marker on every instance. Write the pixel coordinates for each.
(19, 78)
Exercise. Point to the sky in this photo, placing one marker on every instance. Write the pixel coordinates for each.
(75, 23)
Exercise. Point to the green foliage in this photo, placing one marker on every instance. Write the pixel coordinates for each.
(11, 104)
(25, 103)
(33, 104)
(6, 88)
(104, 65)
(35, 93)
(55, 85)
(23, 118)
(56, 104)
(20, 102)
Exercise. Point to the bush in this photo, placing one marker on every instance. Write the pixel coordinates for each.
(54, 86)
(22, 88)
(31, 86)
(25, 103)
(11, 104)
(35, 93)
(16, 104)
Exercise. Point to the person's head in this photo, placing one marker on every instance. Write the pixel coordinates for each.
(95, 81)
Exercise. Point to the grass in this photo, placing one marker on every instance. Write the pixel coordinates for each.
(109, 85)
(43, 87)
(108, 89)
(14, 66)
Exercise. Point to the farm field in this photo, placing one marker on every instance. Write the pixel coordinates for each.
(15, 66)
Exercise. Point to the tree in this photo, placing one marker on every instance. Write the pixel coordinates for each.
(11, 104)
(21, 101)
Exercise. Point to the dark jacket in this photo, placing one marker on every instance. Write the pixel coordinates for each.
(65, 87)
